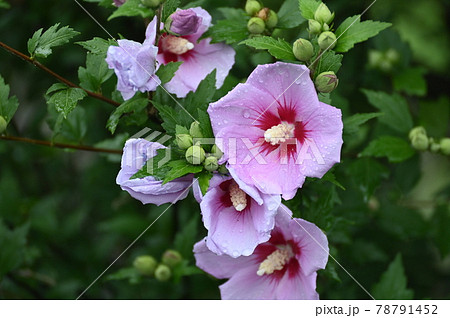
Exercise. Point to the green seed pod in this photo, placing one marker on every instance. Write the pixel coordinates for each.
(252, 7)
(195, 155)
(151, 3)
(326, 82)
(3, 124)
(420, 142)
(314, 27)
(323, 14)
(163, 273)
(303, 50)
(171, 258)
(211, 164)
(445, 146)
(327, 40)
(216, 152)
(195, 130)
(145, 265)
(272, 19)
(256, 25)
(184, 141)
(419, 130)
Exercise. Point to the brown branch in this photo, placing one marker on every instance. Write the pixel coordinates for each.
(61, 145)
(57, 76)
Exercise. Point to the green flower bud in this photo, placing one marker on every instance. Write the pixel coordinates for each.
(326, 82)
(314, 27)
(272, 19)
(211, 164)
(184, 141)
(420, 142)
(145, 265)
(303, 50)
(171, 258)
(434, 146)
(327, 40)
(3, 124)
(325, 27)
(323, 14)
(216, 152)
(256, 25)
(392, 56)
(195, 130)
(252, 7)
(151, 3)
(163, 273)
(445, 146)
(195, 155)
(419, 130)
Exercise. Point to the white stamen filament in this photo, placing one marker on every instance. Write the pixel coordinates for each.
(275, 261)
(279, 133)
(238, 197)
(176, 45)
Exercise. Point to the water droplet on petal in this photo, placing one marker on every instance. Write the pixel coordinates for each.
(246, 114)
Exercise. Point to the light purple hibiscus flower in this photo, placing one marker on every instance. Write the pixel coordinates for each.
(274, 131)
(199, 59)
(135, 65)
(237, 216)
(148, 190)
(283, 268)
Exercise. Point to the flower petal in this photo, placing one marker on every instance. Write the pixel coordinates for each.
(297, 287)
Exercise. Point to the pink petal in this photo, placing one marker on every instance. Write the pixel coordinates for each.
(297, 287)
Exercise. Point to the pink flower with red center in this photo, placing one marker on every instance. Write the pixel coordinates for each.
(275, 132)
(237, 216)
(285, 267)
(199, 58)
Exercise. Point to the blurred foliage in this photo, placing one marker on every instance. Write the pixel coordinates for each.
(63, 219)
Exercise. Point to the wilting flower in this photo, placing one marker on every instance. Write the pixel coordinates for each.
(199, 59)
(148, 190)
(283, 268)
(135, 65)
(237, 216)
(185, 22)
(274, 131)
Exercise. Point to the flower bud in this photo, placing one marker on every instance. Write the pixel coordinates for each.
(150, 3)
(163, 273)
(195, 130)
(171, 258)
(252, 7)
(184, 22)
(272, 19)
(420, 142)
(256, 25)
(392, 56)
(3, 124)
(145, 265)
(323, 14)
(303, 50)
(326, 82)
(325, 27)
(211, 164)
(434, 146)
(195, 155)
(314, 27)
(445, 146)
(216, 152)
(419, 130)
(184, 141)
(327, 40)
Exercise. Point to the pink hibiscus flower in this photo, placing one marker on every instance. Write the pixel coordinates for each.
(275, 132)
(283, 268)
(199, 58)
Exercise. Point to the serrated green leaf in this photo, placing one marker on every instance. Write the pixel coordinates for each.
(97, 46)
(132, 8)
(352, 123)
(228, 31)
(167, 72)
(181, 130)
(278, 48)
(353, 31)
(395, 110)
(289, 15)
(169, 7)
(65, 100)
(156, 166)
(330, 177)
(395, 149)
(203, 179)
(168, 115)
(308, 8)
(132, 105)
(411, 81)
(8, 105)
(367, 174)
(329, 61)
(180, 168)
(41, 45)
(95, 73)
(393, 283)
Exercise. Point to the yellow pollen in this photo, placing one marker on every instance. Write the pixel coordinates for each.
(176, 45)
(279, 133)
(275, 261)
(238, 197)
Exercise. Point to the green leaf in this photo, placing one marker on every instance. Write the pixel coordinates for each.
(8, 105)
(41, 45)
(330, 177)
(64, 98)
(203, 179)
(129, 273)
(395, 110)
(97, 46)
(228, 31)
(181, 130)
(393, 283)
(308, 8)
(367, 174)
(329, 61)
(135, 104)
(180, 168)
(4, 4)
(411, 81)
(169, 7)
(132, 8)
(440, 233)
(95, 73)
(395, 149)
(280, 49)
(156, 166)
(12, 245)
(353, 31)
(289, 15)
(352, 123)
(167, 72)
(169, 116)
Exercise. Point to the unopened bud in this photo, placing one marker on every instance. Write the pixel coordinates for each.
(3, 124)
(195, 130)
(145, 265)
(163, 273)
(195, 155)
(211, 164)
(256, 25)
(303, 50)
(272, 19)
(314, 27)
(420, 142)
(150, 3)
(445, 146)
(263, 13)
(327, 40)
(216, 152)
(419, 130)
(252, 7)
(184, 141)
(325, 27)
(183, 22)
(326, 82)
(323, 14)
(434, 146)
(171, 258)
